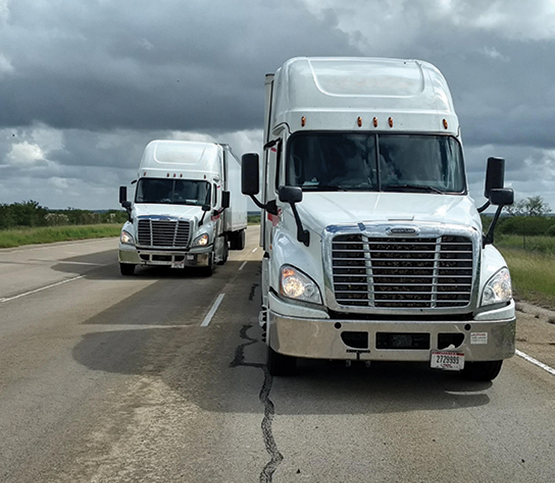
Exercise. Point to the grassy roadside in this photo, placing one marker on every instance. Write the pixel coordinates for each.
(30, 236)
(533, 276)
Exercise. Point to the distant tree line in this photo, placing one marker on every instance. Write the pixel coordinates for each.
(527, 217)
(31, 214)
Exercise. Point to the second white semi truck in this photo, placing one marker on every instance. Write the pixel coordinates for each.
(373, 248)
(188, 209)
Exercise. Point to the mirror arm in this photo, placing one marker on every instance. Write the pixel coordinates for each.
(201, 221)
(488, 238)
(484, 207)
(257, 203)
(302, 235)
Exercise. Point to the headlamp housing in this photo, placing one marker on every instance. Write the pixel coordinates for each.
(498, 288)
(126, 238)
(295, 285)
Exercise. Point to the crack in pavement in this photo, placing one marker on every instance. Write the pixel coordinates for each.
(276, 457)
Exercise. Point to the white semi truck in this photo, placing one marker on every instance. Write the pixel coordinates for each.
(373, 249)
(188, 208)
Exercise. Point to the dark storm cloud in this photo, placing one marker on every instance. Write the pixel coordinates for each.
(84, 85)
(150, 65)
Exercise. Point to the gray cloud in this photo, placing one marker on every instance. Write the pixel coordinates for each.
(84, 85)
(143, 65)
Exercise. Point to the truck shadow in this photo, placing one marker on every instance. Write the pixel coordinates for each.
(107, 268)
(221, 368)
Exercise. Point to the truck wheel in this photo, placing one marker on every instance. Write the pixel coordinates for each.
(209, 270)
(237, 240)
(225, 253)
(280, 364)
(482, 371)
(241, 240)
(127, 269)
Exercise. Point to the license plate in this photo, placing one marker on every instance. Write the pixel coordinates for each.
(178, 264)
(448, 361)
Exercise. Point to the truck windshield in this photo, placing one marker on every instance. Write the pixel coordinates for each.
(375, 162)
(173, 191)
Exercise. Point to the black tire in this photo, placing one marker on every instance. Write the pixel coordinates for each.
(209, 270)
(280, 364)
(127, 269)
(482, 371)
(237, 240)
(225, 253)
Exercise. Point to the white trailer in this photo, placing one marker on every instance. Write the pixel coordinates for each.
(188, 208)
(373, 249)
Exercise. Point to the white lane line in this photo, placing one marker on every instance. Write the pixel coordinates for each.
(210, 314)
(78, 263)
(242, 266)
(8, 299)
(545, 367)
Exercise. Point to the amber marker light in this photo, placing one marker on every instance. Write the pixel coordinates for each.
(359, 121)
(375, 121)
(390, 121)
(445, 125)
(303, 121)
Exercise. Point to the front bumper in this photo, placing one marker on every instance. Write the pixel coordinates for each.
(345, 339)
(195, 257)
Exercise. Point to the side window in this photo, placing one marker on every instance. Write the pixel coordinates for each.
(215, 196)
(279, 150)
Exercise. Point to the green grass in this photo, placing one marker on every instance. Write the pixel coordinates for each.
(30, 236)
(532, 274)
(253, 219)
(540, 244)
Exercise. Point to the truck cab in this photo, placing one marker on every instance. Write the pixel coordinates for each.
(373, 248)
(182, 214)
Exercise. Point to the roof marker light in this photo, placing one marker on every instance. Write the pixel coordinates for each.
(390, 121)
(359, 121)
(168, 175)
(375, 121)
(303, 121)
(445, 125)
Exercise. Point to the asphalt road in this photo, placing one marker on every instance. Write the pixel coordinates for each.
(105, 378)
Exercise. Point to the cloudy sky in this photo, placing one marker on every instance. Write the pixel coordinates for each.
(86, 84)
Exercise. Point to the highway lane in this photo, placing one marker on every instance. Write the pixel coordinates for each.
(108, 378)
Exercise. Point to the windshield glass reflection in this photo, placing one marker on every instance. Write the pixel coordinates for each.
(173, 191)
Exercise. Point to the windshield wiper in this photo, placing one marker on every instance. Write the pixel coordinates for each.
(322, 187)
(412, 187)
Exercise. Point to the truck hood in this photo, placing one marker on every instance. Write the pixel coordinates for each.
(182, 212)
(318, 210)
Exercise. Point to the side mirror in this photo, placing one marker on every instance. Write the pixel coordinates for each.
(122, 194)
(126, 204)
(290, 194)
(249, 174)
(226, 197)
(502, 196)
(495, 176)
(205, 208)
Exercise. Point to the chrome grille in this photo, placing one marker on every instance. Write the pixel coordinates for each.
(402, 272)
(163, 233)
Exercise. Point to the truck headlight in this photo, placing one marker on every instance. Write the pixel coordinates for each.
(202, 240)
(296, 285)
(498, 288)
(126, 238)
